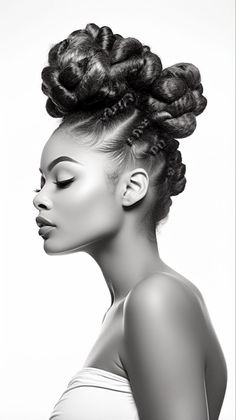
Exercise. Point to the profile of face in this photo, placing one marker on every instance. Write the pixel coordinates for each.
(88, 208)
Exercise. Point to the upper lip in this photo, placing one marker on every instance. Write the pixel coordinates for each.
(43, 222)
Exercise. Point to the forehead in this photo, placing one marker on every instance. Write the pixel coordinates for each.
(62, 143)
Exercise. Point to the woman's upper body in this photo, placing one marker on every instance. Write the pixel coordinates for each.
(161, 338)
(108, 172)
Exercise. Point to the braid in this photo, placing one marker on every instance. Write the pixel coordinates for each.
(138, 131)
(119, 107)
(161, 145)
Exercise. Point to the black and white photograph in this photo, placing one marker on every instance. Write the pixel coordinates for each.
(118, 210)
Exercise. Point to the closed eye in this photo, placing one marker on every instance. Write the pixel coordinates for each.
(62, 184)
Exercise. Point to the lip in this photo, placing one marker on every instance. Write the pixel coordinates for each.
(45, 231)
(41, 221)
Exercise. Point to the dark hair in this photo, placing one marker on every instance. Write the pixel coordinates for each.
(114, 91)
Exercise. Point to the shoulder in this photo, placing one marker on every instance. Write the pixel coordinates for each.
(164, 348)
(163, 292)
(164, 301)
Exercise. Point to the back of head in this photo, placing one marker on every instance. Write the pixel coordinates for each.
(115, 91)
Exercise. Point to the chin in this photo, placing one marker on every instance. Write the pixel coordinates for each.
(53, 248)
(67, 244)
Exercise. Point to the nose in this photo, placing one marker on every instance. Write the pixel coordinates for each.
(41, 202)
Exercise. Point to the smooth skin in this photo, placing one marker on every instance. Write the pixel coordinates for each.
(157, 332)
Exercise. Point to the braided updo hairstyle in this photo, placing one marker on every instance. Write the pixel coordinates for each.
(114, 91)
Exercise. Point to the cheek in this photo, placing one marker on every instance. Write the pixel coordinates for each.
(90, 211)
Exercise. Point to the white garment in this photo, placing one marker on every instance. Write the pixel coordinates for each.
(96, 394)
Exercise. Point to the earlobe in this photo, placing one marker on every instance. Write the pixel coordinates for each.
(136, 186)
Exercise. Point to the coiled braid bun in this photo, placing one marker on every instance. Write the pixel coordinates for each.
(93, 68)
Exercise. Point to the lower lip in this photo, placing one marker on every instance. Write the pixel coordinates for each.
(45, 231)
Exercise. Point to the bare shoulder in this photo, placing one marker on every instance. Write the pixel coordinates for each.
(166, 288)
(163, 299)
(164, 343)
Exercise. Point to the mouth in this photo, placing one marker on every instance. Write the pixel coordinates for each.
(41, 221)
(45, 230)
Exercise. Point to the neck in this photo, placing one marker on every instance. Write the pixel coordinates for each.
(125, 260)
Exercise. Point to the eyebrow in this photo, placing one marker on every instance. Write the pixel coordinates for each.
(60, 159)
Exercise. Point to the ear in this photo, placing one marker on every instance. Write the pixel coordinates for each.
(136, 186)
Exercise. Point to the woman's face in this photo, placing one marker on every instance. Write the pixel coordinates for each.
(85, 210)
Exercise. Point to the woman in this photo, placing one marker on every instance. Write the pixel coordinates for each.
(108, 172)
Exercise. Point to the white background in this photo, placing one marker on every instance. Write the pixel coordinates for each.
(52, 307)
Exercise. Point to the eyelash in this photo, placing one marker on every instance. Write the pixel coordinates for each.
(62, 184)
